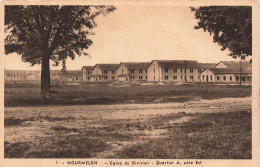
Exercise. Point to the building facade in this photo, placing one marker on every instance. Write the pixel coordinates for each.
(104, 73)
(228, 72)
(132, 71)
(173, 71)
(86, 73)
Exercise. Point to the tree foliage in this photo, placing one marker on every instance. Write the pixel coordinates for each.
(231, 27)
(44, 33)
(58, 31)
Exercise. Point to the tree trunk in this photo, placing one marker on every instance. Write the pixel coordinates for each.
(45, 79)
(240, 71)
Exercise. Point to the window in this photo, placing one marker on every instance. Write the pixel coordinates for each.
(88, 78)
(145, 71)
(181, 76)
(203, 77)
(140, 77)
(132, 71)
(88, 72)
(181, 70)
(113, 77)
(113, 72)
(166, 70)
(174, 70)
(166, 77)
(218, 78)
(175, 77)
(211, 77)
(237, 78)
(122, 71)
(140, 71)
(191, 70)
(224, 78)
(133, 77)
(230, 78)
(105, 77)
(191, 77)
(154, 70)
(154, 78)
(146, 77)
(105, 72)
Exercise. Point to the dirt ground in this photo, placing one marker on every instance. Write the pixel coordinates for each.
(114, 126)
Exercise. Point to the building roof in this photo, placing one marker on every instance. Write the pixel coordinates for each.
(229, 71)
(88, 67)
(71, 73)
(207, 65)
(107, 66)
(136, 65)
(178, 63)
(236, 64)
(21, 73)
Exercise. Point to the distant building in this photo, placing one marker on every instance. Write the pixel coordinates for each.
(32, 77)
(104, 72)
(86, 73)
(174, 71)
(71, 76)
(132, 71)
(18, 75)
(55, 75)
(228, 72)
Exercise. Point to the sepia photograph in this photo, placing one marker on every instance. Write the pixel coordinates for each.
(128, 82)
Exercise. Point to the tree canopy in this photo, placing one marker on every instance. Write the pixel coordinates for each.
(44, 33)
(62, 31)
(231, 27)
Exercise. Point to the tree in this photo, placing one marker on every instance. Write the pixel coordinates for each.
(231, 27)
(44, 33)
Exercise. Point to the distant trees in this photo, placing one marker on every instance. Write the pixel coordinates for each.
(44, 33)
(231, 27)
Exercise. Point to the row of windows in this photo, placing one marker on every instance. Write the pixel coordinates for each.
(133, 71)
(218, 78)
(105, 78)
(175, 77)
(166, 70)
(105, 72)
(113, 78)
(140, 77)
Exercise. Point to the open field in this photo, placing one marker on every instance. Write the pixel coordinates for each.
(27, 94)
(216, 128)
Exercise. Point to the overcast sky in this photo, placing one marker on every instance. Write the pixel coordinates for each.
(142, 34)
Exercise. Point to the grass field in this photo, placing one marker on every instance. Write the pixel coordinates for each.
(27, 94)
(196, 129)
(188, 121)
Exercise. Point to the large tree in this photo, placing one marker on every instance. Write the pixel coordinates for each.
(231, 27)
(43, 33)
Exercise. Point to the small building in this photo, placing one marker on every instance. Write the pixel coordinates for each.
(132, 71)
(174, 71)
(228, 72)
(32, 77)
(14, 75)
(71, 76)
(86, 73)
(55, 75)
(104, 72)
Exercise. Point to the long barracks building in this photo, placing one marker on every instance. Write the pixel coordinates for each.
(169, 71)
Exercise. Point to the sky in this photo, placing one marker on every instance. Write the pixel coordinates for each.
(142, 34)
